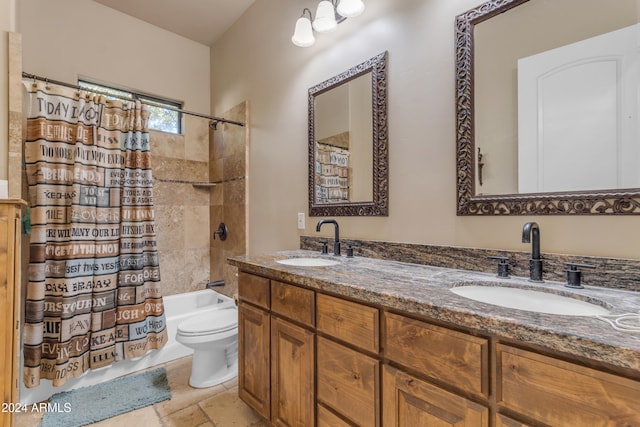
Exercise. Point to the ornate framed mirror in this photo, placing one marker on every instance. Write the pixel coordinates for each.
(511, 162)
(348, 142)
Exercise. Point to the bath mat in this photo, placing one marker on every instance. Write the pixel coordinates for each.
(90, 404)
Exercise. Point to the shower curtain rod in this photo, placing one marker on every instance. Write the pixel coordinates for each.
(213, 125)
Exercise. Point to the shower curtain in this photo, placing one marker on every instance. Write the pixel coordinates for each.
(93, 293)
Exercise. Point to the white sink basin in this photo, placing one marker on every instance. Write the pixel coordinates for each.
(308, 262)
(529, 300)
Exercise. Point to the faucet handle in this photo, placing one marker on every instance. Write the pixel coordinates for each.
(503, 265)
(350, 251)
(325, 246)
(574, 275)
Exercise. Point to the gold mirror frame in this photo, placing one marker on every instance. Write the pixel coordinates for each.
(607, 202)
(379, 205)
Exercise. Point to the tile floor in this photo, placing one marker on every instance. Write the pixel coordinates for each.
(217, 406)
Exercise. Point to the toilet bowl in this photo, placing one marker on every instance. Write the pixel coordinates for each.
(214, 339)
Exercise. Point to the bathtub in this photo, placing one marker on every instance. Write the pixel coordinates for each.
(177, 309)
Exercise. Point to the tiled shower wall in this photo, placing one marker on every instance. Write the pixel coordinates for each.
(182, 210)
(228, 160)
(189, 258)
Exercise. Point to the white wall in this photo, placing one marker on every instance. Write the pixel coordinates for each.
(67, 39)
(7, 24)
(256, 61)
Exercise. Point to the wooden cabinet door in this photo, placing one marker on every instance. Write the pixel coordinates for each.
(253, 358)
(327, 418)
(564, 394)
(349, 383)
(410, 402)
(503, 421)
(292, 378)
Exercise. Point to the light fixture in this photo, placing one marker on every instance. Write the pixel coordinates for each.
(325, 21)
(328, 16)
(303, 34)
(350, 8)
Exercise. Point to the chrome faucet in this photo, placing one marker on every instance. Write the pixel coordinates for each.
(336, 243)
(529, 231)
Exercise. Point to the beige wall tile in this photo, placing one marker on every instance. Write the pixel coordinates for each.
(170, 227)
(217, 266)
(217, 196)
(197, 137)
(196, 171)
(167, 144)
(234, 192)
(196, 227)
(235, 220)
(195, 272)
(228, 152)
(14, 165)
(217, 169)
(15, 72)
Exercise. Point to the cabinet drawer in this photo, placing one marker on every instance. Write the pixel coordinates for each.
(411, 402)
(254, 289)
(353, 323)
(348, 382)
(451, 357)
(561, 394)
(502, 421)
(293, 302)
(326, 418)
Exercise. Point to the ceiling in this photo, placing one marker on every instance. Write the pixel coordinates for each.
(203, 21)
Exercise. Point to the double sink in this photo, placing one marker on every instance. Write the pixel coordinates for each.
(512, 295)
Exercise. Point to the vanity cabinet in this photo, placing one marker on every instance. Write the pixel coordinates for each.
(276, 350)
(348, 379)
(503, 421)
(292, 385)
(456, 359)
(312, 359)
(254, 343)
(564, 394)
(409, 402)
(292, 355)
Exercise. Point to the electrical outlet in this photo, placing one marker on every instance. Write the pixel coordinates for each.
(301, 221)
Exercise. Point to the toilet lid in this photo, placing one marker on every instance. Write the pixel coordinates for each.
(211, 322)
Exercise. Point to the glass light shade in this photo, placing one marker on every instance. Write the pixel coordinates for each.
(325, 17)
(303, 34)
(350, 8)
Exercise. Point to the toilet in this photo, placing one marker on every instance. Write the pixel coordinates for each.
(213, 336)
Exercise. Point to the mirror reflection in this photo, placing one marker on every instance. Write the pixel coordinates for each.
(556, 98)
(344, 143)
(348, 146)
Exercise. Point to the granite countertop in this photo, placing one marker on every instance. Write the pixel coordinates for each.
(424, 290)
